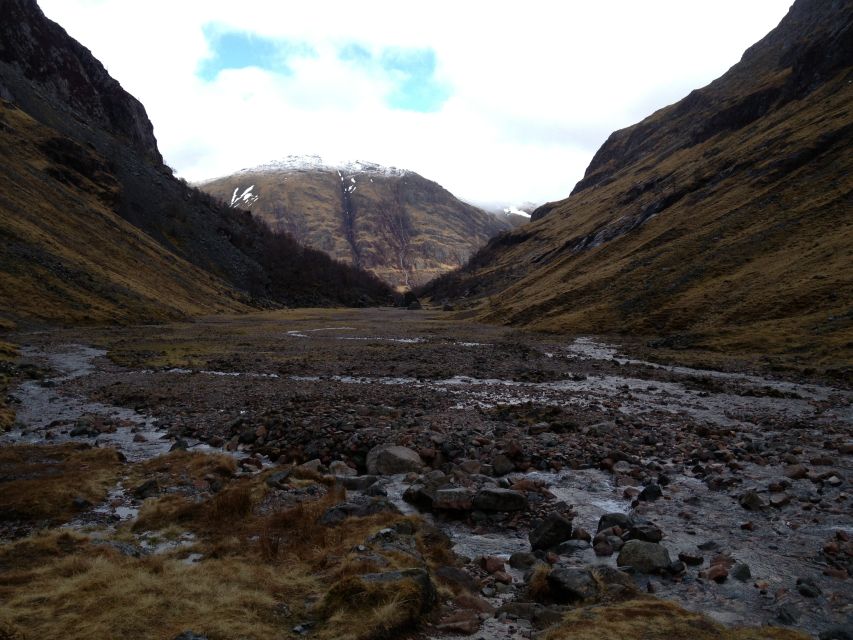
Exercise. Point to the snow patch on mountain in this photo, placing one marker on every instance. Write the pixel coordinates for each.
(294, 163)
(516, 211)
(243, 198)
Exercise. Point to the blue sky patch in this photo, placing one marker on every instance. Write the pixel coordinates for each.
(412, 71)
(238, 50)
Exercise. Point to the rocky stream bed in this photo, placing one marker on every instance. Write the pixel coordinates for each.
(727, 492)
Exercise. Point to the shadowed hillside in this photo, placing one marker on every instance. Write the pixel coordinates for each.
(95, 226)
(722, 221)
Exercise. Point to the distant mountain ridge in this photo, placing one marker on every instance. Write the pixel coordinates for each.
(723, 222)
(393, 222)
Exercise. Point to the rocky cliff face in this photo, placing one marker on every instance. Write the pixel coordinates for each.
(95, 227)
(45, 64)
(722, 221)
(394, 223)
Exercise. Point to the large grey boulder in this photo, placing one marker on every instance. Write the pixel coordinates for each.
(494, 499)
(389, 459)
(645, 557)
(553, 530)
(572, 585)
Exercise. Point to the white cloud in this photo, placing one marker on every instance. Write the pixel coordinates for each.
(536, 87)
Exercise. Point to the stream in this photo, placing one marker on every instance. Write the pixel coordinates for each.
(784, 546)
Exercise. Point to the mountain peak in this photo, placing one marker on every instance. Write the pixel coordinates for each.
(294, 163)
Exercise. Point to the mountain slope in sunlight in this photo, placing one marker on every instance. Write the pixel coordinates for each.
(724, 221)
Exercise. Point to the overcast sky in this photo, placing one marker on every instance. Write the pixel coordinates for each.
(500, 102)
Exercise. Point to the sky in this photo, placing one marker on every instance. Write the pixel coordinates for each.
(501, 102)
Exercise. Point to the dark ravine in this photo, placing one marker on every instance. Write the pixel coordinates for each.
(348, 215)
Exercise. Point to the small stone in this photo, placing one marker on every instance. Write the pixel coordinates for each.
(741, 572)
(650, 493)
(147, 489)
(522, 560)
(501, 465)
(780, 500)
(572, 546)
(690, 558)
(788, 614)
(492, 564)
(645, 557)
(647, 532)
(718, 573)
(453, 499)
(796, 472)
(389, 460)
(603, 548)
(341, 468)
(501, 500)
(609, 520)
(553, 530)
(581, 534)
(751, 501)
(278, 479)
(808, 588)
(81, 503)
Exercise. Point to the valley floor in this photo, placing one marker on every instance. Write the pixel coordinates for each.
(242, 484)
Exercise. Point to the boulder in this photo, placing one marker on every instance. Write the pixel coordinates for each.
(572, 585)
(501, 465)
(453, 499)
(389, 459)
(553, 530)
(341, 468)
(493, 499)
(751, 501)
(609, 520)
(645, 557)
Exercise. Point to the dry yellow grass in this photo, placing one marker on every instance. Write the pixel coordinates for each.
(263, 570)
(73, 589)
(653, 619)
(53, 270)
(40, 484)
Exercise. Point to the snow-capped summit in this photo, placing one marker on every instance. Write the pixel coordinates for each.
(294, 163)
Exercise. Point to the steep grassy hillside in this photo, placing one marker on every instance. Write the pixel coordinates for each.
(721, 222)
(95, 227)
(67, 256)
(396, 224)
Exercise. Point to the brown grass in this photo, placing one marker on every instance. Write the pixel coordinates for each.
(93, 592)
(262, 569)
(40, 483)
(8, 353)
(184, 468)
(653, 619)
